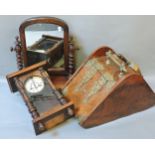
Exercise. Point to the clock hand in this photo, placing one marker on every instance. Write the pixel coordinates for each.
(34, 83)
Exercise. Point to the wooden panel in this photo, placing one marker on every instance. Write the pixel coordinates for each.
(55, 121)
(131, 96)
(56, 115)
(59, 81)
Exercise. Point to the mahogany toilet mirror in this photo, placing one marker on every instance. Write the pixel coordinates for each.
(45, 39)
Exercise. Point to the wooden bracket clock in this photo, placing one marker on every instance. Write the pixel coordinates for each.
(46, 104)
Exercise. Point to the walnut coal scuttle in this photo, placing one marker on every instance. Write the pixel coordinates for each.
(106, 87)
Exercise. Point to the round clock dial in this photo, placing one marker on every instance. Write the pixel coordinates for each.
(34, 84)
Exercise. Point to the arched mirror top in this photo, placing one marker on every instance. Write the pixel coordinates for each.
(42, 35)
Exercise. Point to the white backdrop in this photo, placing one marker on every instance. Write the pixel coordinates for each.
(133, 36)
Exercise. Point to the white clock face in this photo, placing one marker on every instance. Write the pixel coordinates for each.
(34, 84)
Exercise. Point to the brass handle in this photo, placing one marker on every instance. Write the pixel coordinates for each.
(119, 62)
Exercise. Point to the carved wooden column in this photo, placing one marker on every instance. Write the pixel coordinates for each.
(39, 127)
(72, 49)
(18, 51)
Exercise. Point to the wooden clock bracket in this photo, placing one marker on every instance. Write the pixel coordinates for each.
(48, 107)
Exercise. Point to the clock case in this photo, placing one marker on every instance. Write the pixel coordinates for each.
(48, 108)
(107, 87)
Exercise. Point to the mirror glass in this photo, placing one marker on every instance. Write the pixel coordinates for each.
(44, 41)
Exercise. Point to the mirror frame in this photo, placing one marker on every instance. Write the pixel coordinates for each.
(46, 20)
